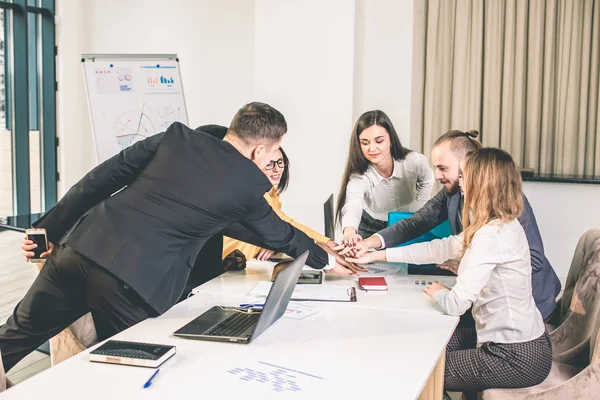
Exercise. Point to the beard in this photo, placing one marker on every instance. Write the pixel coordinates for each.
(453, 189)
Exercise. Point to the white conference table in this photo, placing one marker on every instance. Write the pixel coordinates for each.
(387, 343)
(405, 296)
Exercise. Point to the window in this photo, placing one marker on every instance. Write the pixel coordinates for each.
(27, 107)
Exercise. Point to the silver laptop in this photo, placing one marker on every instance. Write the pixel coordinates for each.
(242, 325)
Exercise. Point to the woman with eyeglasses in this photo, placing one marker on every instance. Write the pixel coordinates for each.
(279, 174)
(380, 176)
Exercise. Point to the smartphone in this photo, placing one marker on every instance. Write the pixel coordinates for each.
(38, 236)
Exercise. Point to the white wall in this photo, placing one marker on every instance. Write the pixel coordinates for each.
(304, 53)
(383, 61)
(75, 153)
(300, 56)
(323, 63)
(564, 211)
(213, 39)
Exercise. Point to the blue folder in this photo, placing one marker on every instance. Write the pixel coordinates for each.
(441, 231)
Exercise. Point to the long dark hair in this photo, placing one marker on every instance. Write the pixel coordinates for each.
(357, 163)
(285, 176)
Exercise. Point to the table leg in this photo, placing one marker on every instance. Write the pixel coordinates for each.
(434, 389)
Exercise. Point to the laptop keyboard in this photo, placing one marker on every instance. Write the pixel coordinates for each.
(234, 325)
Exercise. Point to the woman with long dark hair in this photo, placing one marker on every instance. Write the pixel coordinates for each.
(380, 176)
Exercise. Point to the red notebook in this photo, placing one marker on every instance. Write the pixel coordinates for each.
(372, 283)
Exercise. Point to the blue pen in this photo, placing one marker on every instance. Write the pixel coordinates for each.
(252, 305)
(149, 382)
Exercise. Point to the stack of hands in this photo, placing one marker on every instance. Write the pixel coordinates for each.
(355, 252)
(350, 255)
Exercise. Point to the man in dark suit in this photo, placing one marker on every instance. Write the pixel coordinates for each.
(140, 220)
(447, 154)
(209, 263)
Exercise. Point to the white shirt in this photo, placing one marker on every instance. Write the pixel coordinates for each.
(407, 189)
(494, 276)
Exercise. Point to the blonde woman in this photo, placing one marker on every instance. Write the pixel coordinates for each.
(509, 346)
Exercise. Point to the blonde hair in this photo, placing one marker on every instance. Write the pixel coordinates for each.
(493, 191)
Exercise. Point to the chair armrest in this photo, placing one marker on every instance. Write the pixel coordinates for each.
(567, 346)
(583, 386)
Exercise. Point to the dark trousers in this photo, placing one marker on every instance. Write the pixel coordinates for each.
(68, 287)
(208, 265)
(494, 365)
(369, 226)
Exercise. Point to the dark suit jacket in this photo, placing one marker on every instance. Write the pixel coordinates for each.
(443, 206)
(209, 262)
(182, 187)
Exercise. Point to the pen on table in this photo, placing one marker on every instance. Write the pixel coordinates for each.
(149, 381)
(252, 305)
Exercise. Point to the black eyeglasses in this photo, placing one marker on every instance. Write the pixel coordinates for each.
(280, 163)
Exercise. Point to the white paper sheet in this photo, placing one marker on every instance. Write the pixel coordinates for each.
(274, 378)
(296, 310)
(314, 292)
(377, 269)
(266, 380)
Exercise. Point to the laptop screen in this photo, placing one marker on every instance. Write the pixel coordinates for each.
(441, 231)
(329, 218)
(280, 294)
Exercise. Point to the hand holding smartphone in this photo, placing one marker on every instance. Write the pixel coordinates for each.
(38, 237)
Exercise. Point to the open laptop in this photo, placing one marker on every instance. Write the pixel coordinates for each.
(242, 325)
(329, 217)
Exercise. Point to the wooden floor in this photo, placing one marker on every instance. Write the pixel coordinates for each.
(16, 277)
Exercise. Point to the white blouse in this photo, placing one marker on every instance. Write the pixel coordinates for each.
(494, 276)
(407, 189)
